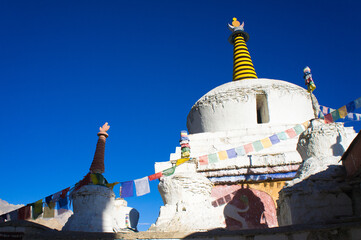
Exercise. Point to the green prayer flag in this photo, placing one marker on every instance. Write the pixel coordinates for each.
(298, 129)
(282, 136)
(168, 171)
(37, 208)
(257, 145)
(212, 158)
(335, 115)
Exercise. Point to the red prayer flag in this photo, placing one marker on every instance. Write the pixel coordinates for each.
(155, 176)
(203, 160)
(328, 118)
(83, 182)
(291, 133)
(248, 148)
(64, 192)
(24, 213)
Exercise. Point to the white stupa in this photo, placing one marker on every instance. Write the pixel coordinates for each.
(238, 192)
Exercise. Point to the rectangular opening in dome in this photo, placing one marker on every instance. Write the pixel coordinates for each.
(262, 108)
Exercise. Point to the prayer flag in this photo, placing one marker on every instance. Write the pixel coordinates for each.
(37, 208)
(305, 124)
(155, 176)
(328, 118)
(266, 142)
(222, 155)
(49, 210)
(274, 139)
(240, 151)
(84, 181)
(142, 186)
(212, 158)
(63, 203)
(350, 106)
(24, 213)
(291, 133)
(127, 189)
(350, 116)
(48, 199)
(298, 129)
(324, 110)
(248, 148)
(182, 160)
(56, 196)
(64, 192)
(13, 215)
(169, 171)
(203, 160)
(282, 136)
(3, 218)
(231, 153)
(257, 145)
(342, 111)
(358, 103)
(335, 115)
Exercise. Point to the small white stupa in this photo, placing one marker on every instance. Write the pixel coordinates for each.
(94, 204)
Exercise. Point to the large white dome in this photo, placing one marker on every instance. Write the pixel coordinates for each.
(247, 103)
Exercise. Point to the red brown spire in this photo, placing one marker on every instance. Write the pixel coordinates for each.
(98, 161)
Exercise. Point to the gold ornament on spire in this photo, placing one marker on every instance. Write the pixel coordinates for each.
(242, 63)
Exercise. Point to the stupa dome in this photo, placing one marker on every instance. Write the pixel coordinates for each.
(248, 103)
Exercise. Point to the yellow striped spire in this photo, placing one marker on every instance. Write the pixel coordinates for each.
(242, 63)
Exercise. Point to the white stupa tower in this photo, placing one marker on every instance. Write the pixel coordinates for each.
(243, 188)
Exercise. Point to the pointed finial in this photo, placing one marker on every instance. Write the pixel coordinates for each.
(236, 25)
(103, 130)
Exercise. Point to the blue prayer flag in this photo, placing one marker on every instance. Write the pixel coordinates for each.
(63, 203)
(231, 153)
(350, 107)
(274, 139)
(127, 189)
(48, 199)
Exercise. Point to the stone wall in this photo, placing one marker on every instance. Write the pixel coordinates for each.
(319, 192)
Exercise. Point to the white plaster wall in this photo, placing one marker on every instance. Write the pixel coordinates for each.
(232, 106)
(93, 208)
(97, 210)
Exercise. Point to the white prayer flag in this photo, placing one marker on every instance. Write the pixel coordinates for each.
(142, 186)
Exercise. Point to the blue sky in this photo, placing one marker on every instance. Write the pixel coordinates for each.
(66, 67)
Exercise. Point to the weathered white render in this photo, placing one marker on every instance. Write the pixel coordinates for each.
(249, 103)
(96, 210)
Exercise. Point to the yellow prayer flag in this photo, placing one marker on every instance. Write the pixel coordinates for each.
(222, 155)
(343, 112)
(182, 160)
(49, 210)
(305, 124)
(266, 142)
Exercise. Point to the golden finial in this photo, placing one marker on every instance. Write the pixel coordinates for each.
(235, 23)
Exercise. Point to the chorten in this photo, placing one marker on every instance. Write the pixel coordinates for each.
(94, 205)
(243, 135)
